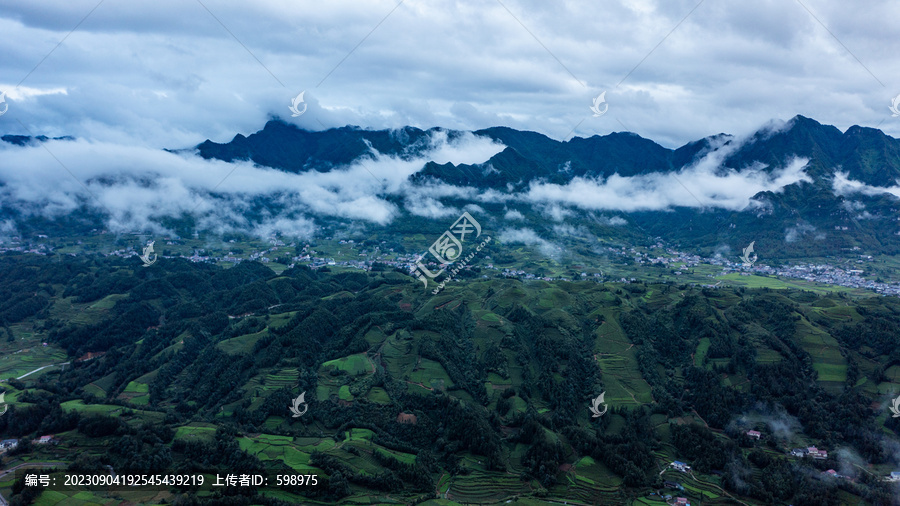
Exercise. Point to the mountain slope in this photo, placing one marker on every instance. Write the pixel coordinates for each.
(481, 394)
(867, 154)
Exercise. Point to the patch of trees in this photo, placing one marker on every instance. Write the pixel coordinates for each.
(700, 445)
(386, 481)
(418, 474)
(16, 310)
(223, 453)
(192, 303)
(542, 460)
(629, 454)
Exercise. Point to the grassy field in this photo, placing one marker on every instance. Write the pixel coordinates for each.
(354, 365)
(135, 387)
(618, 360)
(135, 415)
(241, 344)
(268, 447)
(378, 395)
(137, 392)
(754, 281)
(825, 351)
(702, 349)
(27, 353)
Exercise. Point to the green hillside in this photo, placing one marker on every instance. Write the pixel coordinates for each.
(478, 395)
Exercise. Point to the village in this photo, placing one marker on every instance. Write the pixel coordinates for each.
(848, 273)
(11, 444)
(807, 452)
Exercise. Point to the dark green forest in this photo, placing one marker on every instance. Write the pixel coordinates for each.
(192, 367)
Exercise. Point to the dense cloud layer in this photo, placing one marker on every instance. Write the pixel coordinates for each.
(168, 73)
(692, 187)
(135, 77)
(135, 187)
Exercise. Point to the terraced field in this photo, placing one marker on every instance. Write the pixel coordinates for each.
(267, 447)
(618, 360)
(825, 350)
(483, 488)
(136, 393)
(391, 353)
(281, 378)
(196, 431)
(27, 353)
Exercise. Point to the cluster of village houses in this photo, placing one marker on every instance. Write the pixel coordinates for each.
(809, 451)
(12, 444)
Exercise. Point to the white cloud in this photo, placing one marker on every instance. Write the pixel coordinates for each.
(569, 230)
(427, 207)
(615, 221)
(704, 184)
(136, 186)
(7, 230)
(794, 234)
(843, 185)
(554, 211)
(513, 214)
(15, 94)
(529, 237)
(300, 227)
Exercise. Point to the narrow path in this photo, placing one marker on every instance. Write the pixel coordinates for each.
(419, 385)
(41, 369)
(30, 464)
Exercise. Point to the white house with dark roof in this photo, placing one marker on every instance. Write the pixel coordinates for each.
(44, 440)
(681, 466)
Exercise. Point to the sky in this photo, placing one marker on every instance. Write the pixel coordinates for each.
(173, 73)
(128, 79)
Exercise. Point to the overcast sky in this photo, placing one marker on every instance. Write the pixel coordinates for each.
(128, 78)
(168, 73)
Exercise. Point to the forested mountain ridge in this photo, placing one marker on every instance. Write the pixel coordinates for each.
(818, 215)
(866, 154)
(798, 189)
(479, 394)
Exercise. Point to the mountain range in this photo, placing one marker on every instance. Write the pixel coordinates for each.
(866, 154)
(797, 188)
(841, 200)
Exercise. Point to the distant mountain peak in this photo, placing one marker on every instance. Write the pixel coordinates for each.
(533, 156)
(22, 140)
